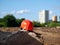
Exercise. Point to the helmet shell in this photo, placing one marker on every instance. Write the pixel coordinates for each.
(27, 25)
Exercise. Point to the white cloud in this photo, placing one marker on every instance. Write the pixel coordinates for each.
(50, 12)
(22, 11)
(16, 12)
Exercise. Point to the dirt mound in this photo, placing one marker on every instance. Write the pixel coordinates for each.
(21, 38)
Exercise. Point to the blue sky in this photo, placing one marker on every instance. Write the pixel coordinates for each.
(29, 8)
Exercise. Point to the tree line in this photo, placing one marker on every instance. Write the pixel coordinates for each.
(10, 21)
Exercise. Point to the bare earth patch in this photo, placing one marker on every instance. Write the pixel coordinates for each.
(49, 36)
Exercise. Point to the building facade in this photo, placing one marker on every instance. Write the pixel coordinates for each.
(59, 18)
(54, 18)
(44, 16)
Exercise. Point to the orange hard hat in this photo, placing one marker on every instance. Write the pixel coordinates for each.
(27, 25)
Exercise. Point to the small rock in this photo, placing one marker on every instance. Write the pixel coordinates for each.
(32, 34)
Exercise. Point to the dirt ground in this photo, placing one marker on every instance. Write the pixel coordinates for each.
(49, 36)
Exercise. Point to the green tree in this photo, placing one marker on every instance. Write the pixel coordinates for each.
(58, 24)
(52, 24)
(1, 20)
(36, 24)
(22, 19)
(19, 21)
(2, 24)
(42, 25)
(10, 20)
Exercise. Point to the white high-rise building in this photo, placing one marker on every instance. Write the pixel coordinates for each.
(43, 16)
